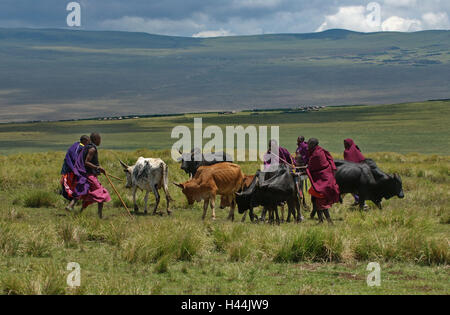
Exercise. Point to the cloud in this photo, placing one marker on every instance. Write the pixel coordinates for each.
(240, 17)
(398, 24)
(400, 3)
(351, 18)
(436, 20)
(217, 33)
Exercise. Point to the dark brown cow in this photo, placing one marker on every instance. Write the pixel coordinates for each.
(223, 179)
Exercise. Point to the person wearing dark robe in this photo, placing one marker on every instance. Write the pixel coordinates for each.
(68, 181)
(274, 159)
(87, 169)
(301, 154)
(352, 153)
(320, 171)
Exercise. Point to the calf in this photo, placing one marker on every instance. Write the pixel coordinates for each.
(226, 201)
(190, 165)
(270, 190)
(148, 174)
(223, 179)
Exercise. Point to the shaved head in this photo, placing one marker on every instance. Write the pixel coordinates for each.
(96, 138)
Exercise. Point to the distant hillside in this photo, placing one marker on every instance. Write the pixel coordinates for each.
(62, 74)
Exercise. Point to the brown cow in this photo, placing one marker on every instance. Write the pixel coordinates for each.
(223, 179)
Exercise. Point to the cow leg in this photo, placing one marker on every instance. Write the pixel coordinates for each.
(297, 205)
(213, 207)
(205, 208)
(157, 196)
(136, 208)
(231, 214)
(282, 213)
(146, 201)
(276, 213)
(263, 214)
(166, 193)
(245, 216)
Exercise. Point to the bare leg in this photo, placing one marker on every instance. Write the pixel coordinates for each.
(70, 206)
(320, 214)
(327, 215)
(100, 210)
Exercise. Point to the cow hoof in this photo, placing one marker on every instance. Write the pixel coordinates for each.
(136, 209)
(169, 212)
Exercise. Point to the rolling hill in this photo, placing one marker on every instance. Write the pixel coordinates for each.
(51, 74)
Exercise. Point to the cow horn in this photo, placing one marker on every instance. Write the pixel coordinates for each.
(123, 164)
(179, 185)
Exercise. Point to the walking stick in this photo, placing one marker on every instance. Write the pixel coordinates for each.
(118, 195)
(116, 177)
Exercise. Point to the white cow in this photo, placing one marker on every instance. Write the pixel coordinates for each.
(148, 174)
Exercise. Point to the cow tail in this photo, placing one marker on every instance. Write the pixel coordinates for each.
(165, 170)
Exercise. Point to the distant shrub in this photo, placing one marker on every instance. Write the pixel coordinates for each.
(70, 234)
(37, 245)
(46, 280)
(313, 245)
(182, 245)
(9, 241)
(162, 266)
(40, 199)
(238, 251)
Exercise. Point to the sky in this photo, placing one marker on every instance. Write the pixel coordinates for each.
(209, 18)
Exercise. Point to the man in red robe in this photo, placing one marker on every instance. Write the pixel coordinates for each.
(320, 171)
(352, 153)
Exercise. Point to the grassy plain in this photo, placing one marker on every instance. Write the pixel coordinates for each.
(183, 255)
(403, 128)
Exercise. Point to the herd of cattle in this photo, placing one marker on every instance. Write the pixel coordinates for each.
(210, 177)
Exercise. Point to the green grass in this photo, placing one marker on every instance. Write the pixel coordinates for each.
(183, 255)
(402, 128)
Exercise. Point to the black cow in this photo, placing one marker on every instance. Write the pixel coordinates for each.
(190, 166)
(367, 181)
(270, 189)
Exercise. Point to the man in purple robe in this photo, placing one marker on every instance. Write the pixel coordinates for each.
(87, 169)
(68, 180)
(301, 154)
(274, 159)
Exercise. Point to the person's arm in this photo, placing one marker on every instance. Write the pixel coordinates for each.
(88, 163)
